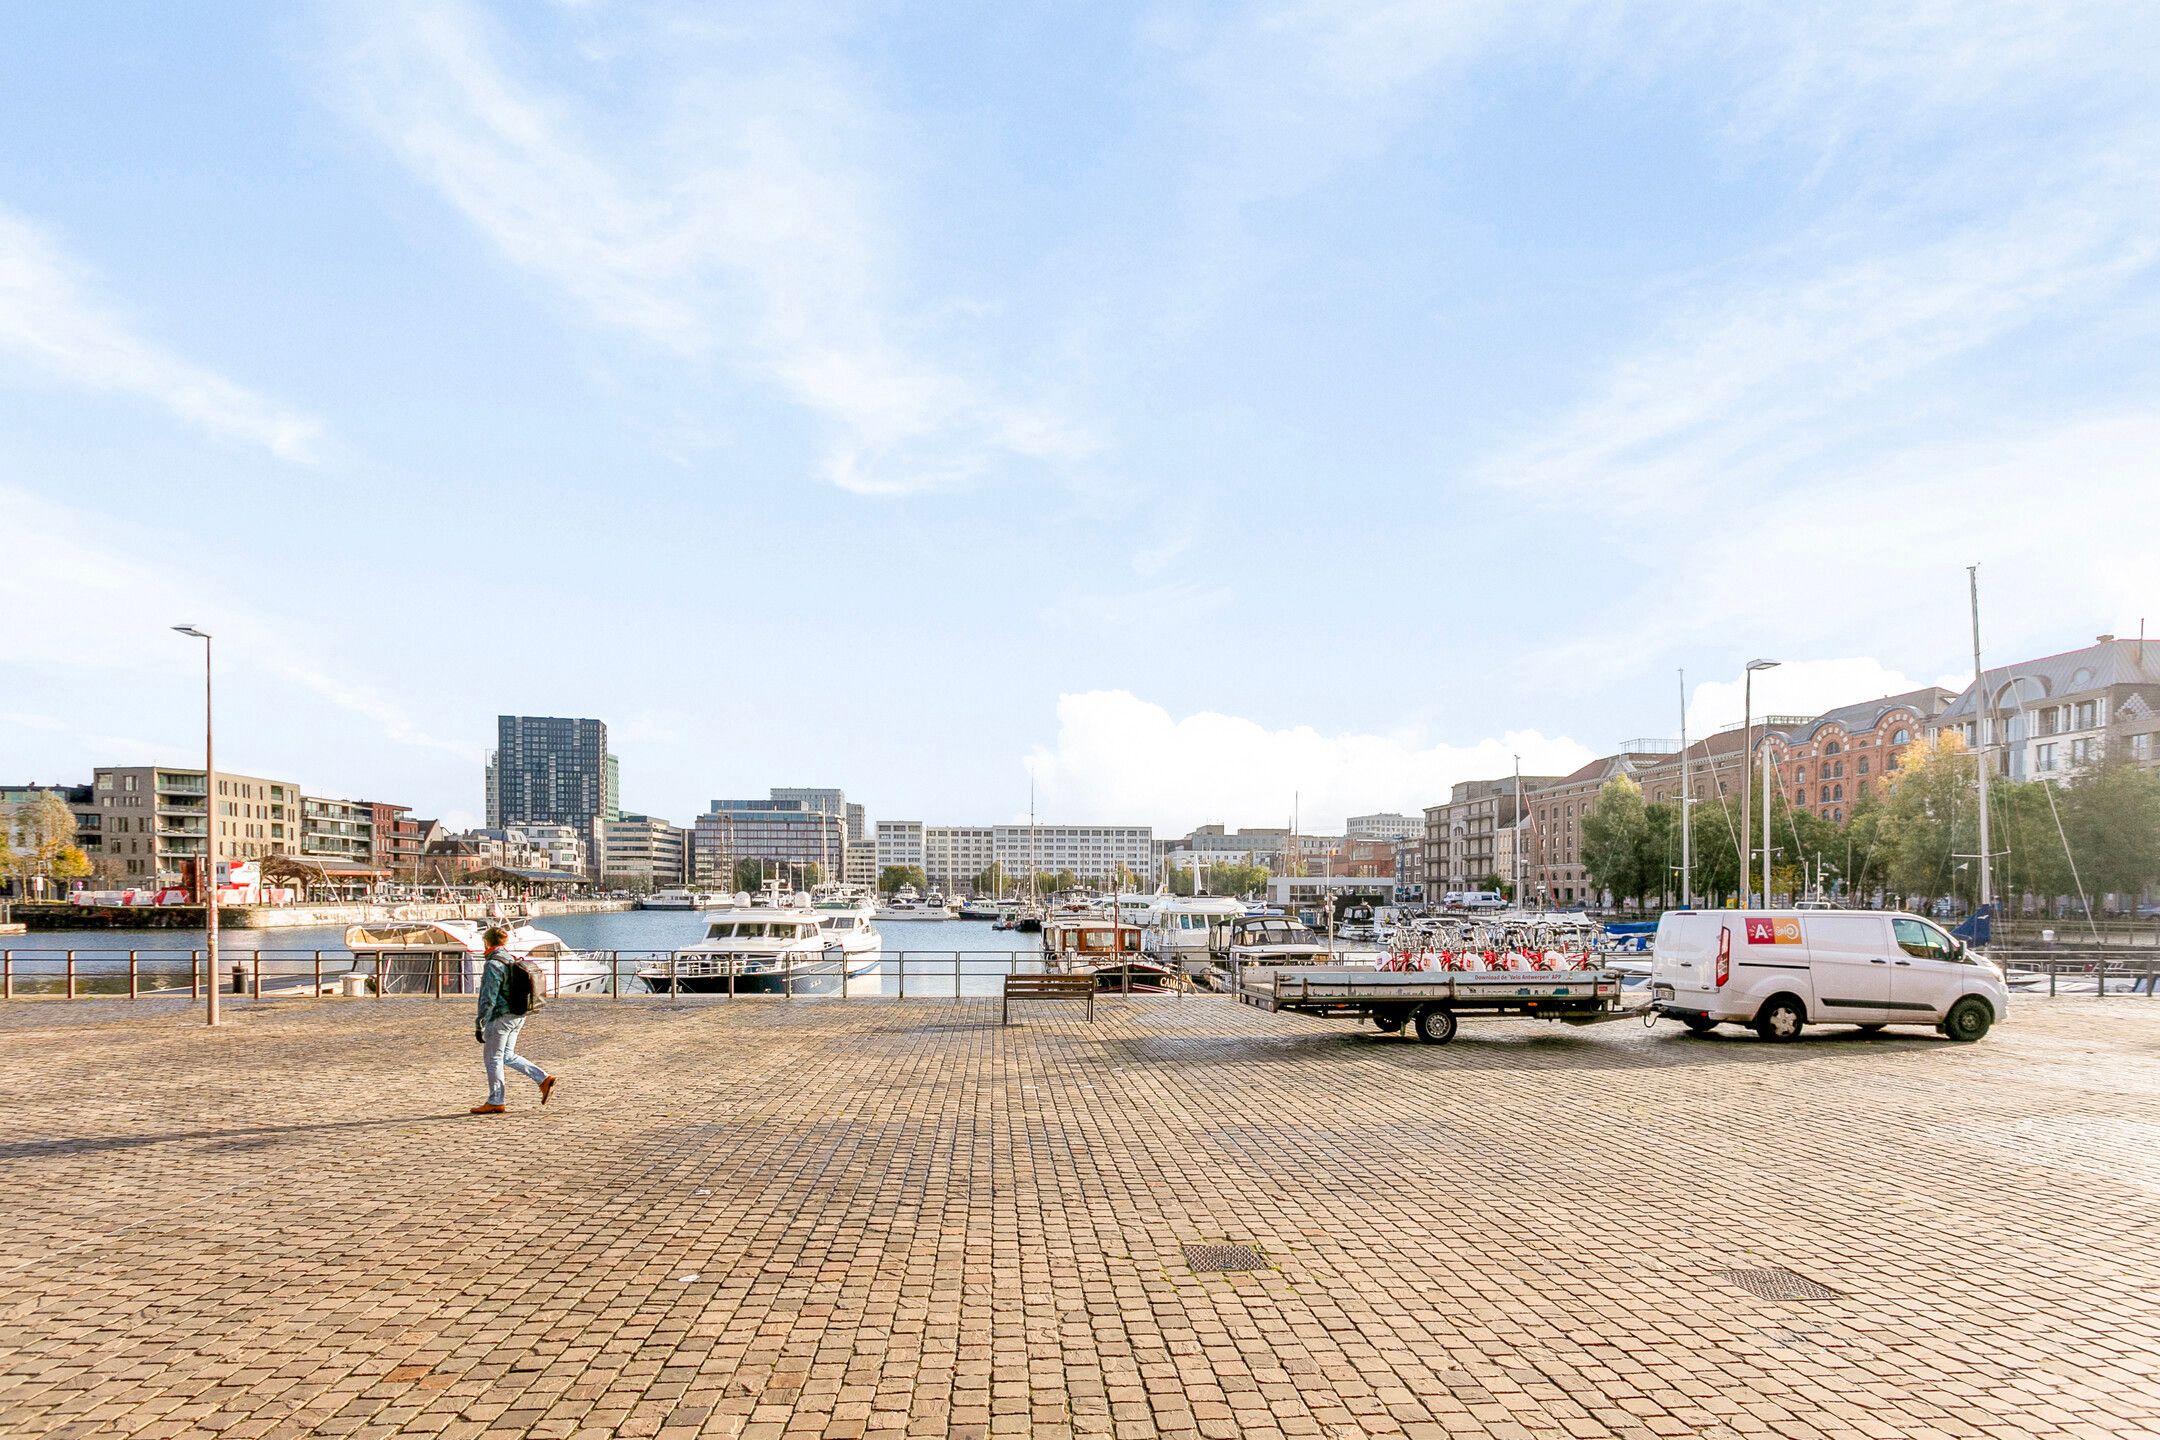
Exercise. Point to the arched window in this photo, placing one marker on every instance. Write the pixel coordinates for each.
(1838, 815)
(1825, 800)
(1903, 737)
(1863, 764)
(1837, 793)
(1799, 776)
(1832, 748)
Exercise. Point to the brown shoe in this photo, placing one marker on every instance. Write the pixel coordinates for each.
(488, 1109)
(547, 1088)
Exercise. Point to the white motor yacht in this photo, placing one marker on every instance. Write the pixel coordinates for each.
(418, 957)
(1183, 931)
(768, 949)
(905, 904)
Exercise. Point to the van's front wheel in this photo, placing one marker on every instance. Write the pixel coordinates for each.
(1968, 1020)
(1781, 1020)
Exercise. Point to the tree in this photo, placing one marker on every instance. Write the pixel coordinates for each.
(1714, 850)
(43, 841)
(988, 881)
(1659, 859)
(892, 877)
(1931, 820)
(2112, 818)
(1614, 834)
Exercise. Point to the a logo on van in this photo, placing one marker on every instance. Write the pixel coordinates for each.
(1768, 931)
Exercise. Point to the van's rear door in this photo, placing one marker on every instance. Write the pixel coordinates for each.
(1850, 953)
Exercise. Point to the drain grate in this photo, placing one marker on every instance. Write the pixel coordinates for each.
(1779, 1285)
(1224, 1257)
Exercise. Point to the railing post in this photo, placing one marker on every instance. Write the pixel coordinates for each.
(956, 974)
(71, 974)
(318, 974)
(437, 962)
(673, 990)
(255, 969)
(7, 974)
(194, 975)
(787, 975)
(558, 979)
(734, 968)
(134, 978)
(903, 975)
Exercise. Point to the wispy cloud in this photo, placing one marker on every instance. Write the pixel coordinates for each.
(1753, 378)
(51, 319)
(749, 219)
(118, 626)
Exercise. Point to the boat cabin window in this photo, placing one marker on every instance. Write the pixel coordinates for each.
(840, 922)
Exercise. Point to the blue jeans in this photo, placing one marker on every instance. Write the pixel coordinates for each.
(500, 1049)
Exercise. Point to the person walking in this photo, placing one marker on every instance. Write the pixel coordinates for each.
(507, 994)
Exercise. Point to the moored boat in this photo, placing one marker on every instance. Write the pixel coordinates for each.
(422, 957)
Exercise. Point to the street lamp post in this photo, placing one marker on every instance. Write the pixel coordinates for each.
(1747, 782)
(206, 877)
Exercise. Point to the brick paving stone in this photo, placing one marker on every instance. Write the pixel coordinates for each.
(863, 1220)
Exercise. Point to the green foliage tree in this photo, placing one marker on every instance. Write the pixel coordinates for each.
(749, 875)
(1659, 860)
(892, 877)
(1714, 850)
(2112, 818)
(1930, 818)
(1615, 834)
(990, 880)
(2029, 858)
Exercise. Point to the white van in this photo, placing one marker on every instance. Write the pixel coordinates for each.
(1781, 970)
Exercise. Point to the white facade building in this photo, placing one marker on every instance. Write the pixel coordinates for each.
(1387, 826)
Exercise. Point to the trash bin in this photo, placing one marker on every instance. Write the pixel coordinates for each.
(353, 986)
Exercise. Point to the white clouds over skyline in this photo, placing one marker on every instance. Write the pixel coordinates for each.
(1118, 758)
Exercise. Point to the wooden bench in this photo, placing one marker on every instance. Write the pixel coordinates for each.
(1047, 987)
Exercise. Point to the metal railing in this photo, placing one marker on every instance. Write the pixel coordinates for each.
(28, 972)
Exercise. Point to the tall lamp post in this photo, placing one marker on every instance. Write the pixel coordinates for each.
(1747, 785)
(206, 876)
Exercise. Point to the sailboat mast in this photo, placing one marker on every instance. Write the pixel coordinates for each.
(1687, 801)
(1980, 748)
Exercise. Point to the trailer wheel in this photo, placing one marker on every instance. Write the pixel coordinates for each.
(1388, 1021)
(1436, 1025)
(1781, 1020)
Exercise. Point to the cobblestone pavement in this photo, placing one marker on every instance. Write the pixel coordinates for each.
(876, 1218)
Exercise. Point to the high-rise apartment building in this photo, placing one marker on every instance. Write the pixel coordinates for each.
(1384, 826)
(552, 771)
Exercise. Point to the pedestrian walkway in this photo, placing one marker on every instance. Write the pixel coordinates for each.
(877, 1219)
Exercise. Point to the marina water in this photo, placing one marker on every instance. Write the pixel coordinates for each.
(923, 954)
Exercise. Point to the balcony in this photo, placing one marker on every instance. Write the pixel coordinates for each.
(168, 786)
(198, 830)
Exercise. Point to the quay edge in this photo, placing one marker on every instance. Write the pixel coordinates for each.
(54, 915)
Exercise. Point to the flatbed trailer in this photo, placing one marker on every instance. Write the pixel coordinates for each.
(1429, 1001)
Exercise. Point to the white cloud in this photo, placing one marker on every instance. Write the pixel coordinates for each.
(750, 221)
(1118, 758)
(49, 319)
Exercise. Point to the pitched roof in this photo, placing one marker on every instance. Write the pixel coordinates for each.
(2073, 672)
(1928, 701)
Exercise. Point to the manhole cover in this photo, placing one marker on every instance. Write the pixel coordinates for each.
(1778, 1284)
(1224, 1257)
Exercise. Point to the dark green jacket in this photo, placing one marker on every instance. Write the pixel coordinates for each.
(493, 1003)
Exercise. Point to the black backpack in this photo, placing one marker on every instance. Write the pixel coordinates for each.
(520, 994)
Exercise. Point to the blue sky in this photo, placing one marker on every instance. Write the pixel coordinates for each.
(1190, 406)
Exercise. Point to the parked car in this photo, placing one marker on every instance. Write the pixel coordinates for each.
(1782, 970)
